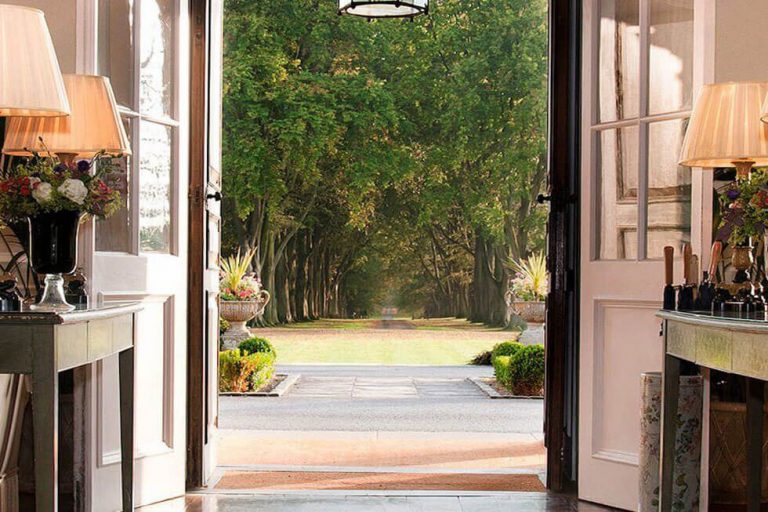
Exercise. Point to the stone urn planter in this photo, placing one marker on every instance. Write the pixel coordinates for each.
(238, 313)
(530, 311)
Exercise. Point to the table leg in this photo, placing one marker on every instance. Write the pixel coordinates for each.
(755, 402)
(126, 426)
(45, 424)
(670, 394)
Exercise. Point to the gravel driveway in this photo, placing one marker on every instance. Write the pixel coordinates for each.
(383, 398)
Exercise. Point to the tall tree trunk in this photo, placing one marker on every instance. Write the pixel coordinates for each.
(300, 282)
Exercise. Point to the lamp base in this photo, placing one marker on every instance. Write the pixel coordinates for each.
(743, 169)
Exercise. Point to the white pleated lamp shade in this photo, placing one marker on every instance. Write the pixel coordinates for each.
(725, 126)
(30, 78)
(764, 110)
(93, 126)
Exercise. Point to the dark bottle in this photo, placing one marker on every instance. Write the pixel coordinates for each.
(9, 295)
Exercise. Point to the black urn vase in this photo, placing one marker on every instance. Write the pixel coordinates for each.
(53, 252)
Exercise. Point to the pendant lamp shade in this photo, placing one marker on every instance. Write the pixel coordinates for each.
(30, 78)
(725, 127)
(93, 126)
(384, 8)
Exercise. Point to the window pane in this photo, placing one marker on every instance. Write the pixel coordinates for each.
(618, 68)
(157, 57)
(116, 47)
(155, 175)
(114, 233)
(617, 164)
(671, 55)
(669, 189)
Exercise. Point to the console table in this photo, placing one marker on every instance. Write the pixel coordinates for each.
(736, 345)
(44, 344)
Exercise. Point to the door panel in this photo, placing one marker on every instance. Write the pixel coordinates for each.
(143, 46)
(205, 238)
(635, 199)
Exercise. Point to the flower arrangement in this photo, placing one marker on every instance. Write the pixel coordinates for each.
(236, 283)
(531, 281)
(744, 204)
(45, 184)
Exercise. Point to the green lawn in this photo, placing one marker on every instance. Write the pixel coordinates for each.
(355, 341)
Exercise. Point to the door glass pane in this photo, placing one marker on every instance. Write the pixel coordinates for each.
(671, 56)
(155, 184)
(616, 191)
(669, 189)
(116, 47)
(157, 57)
(114, 232)
(619, 55)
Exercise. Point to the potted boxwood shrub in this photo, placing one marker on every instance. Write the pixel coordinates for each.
(242, 298)
(529, 287)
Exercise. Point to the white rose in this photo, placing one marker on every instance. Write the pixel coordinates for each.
(74, 190)
(33, 180)
(42, 192)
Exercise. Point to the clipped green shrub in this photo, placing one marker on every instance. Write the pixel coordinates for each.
(501, 370)
(506, 348)
(526, 373)
(256, 344)
(240, 372)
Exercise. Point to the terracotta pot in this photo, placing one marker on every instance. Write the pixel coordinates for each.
(531, 311)
(238, 313)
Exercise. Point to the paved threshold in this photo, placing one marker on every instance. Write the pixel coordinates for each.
(368, 501)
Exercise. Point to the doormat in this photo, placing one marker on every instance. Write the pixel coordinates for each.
(341, 481)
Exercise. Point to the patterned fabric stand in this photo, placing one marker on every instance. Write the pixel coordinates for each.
(687, 445)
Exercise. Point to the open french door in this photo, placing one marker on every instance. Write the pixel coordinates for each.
(638, 80)
(205, 237)
(141, 253)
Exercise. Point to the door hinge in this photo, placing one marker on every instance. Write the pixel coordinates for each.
(570, 280)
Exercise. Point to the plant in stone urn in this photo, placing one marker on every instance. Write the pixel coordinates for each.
(53, 196)
(242, 297)
(529, 287)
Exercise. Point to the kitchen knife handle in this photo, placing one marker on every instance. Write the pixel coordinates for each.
(693, 277)
(714, 261)
(669, 256)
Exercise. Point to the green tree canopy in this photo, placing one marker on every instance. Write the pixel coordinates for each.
(402, 157)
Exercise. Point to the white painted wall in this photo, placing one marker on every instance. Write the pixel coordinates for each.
(740, 40)
(61, 16)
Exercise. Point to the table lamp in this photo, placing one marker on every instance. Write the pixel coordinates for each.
(725, 128)
(31, 83)
(94, 125)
